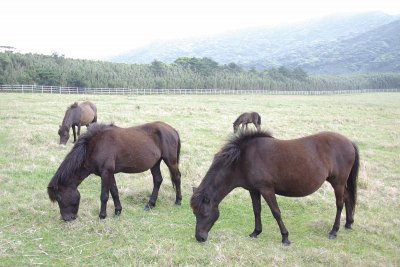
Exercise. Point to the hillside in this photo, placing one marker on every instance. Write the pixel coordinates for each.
(328, 45)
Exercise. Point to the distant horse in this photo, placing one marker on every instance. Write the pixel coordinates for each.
(107, 149)
(77, 115)
(246, 118)
(267, 166)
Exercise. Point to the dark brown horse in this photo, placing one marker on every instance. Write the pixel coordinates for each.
(246, 118)
(267, 166)
(107, 149)
(77, 115)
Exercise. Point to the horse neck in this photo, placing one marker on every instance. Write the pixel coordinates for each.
(237, 121)
(217, 185)
(68, 119)
(76, 178)
(72, 116)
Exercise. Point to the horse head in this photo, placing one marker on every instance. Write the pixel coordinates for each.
(235, 127)
(68, 199)
(63, 132)
(206, 212)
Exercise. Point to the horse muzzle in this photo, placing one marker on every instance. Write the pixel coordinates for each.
(69, 218)
(201, 237)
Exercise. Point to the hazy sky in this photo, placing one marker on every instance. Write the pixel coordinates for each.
(95, 29)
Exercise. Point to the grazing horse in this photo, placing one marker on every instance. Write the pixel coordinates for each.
(77, 115)
(107, 149)
(267, 166)
(246, 118)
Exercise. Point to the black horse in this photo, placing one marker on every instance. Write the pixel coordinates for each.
(267, 166)
(246, 118)
(107, 149)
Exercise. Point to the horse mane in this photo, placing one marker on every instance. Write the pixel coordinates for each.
(67, 112)
(74, 159)
(196, 199)
(74, 105)
(230, 152)
(237, 120)
(226, 157)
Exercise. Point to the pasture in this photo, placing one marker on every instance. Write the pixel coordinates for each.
(32, 233)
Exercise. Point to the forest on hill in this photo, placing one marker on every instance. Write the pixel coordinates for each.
(182, 73)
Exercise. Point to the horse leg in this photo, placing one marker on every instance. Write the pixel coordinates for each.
(73, 131)
(270, 198)
(106, 181)
(157, 180)
(339, 192)
(256, 200)
(349, 210)
(115, 196)
(79, 129)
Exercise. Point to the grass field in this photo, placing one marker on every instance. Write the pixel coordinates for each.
(31, 232)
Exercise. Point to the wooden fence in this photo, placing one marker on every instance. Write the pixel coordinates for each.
(130, 91)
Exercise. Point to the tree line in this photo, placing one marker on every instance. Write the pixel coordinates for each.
(183, 73)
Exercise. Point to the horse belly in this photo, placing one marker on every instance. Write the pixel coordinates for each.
(299, 184)
(137, 159)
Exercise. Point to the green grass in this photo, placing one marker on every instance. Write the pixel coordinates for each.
(31, 232)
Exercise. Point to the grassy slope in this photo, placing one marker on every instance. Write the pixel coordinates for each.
(31, 231)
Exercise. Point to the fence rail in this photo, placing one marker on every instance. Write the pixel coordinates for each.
(130, 91)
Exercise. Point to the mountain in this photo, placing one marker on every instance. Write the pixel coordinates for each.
(377, 50)
(335, 44)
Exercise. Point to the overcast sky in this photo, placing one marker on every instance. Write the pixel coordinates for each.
(95, 29)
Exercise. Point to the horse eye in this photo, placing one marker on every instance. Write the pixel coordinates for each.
(206, 200)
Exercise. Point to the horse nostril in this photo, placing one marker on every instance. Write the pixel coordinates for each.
(200, 238)
(69, 218)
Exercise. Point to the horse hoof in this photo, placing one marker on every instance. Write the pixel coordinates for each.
(101, 216)
(253, 235)
(332, 236)
(286, 243)
(118, 212)
(148, 207)
(177, 203)
(347, 227)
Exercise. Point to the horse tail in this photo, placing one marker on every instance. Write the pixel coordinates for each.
(352, 180)
(178, 152)
(94, 108)
(177, 155)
